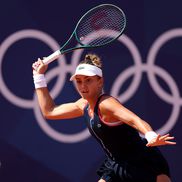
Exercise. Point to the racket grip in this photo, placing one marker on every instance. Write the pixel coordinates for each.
(52, 57)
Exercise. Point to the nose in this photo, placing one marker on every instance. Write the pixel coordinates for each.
(83, 85)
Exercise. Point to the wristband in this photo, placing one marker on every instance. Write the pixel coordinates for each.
(39, 81)
(150, 135)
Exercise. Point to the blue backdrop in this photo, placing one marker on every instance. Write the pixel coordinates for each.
(142, 69)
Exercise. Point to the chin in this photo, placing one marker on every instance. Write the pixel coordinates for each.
(85, 96)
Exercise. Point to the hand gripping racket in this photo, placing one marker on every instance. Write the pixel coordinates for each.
(99, 26)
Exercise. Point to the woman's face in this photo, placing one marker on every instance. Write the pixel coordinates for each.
(89, 86)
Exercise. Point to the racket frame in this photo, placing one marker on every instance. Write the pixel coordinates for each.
(61, 51)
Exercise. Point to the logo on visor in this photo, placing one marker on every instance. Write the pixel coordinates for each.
(81, 68)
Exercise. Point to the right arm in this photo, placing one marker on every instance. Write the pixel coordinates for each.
(63, 111)
(46, 103)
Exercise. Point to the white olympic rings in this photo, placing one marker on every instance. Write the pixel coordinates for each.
(62, 69)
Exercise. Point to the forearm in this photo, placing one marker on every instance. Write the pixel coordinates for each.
(52, 111)
(134, 121)
(46, 102)
(142, 126)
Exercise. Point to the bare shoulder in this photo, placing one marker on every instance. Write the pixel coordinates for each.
(110, 108)
(109, 103)
(107, 99)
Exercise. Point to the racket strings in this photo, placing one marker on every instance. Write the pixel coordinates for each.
(101, 26)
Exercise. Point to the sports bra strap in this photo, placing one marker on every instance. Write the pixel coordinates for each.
(97, 103)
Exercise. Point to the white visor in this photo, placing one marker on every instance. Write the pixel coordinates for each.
(87, 70)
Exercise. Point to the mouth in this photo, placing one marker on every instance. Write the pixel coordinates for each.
(84, 93)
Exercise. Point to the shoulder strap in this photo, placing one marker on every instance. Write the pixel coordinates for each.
(97, 103)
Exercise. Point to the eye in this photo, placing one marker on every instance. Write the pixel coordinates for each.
(78, 81)
(88, 80)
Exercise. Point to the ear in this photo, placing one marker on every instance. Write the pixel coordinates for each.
(101, 81)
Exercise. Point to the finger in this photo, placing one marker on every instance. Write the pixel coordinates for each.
(148, 144)
(170, 143)
(164, 136)
(158, 137)
(166, 143)
(169, 138)
(39, 61)
(34, 66)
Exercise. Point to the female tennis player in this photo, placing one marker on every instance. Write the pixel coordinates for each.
(130, 158)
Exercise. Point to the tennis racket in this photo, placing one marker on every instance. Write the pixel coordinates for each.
(98, 27)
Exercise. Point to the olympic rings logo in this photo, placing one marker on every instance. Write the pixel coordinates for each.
(149, 67)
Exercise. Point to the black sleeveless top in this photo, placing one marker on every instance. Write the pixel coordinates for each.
(124, 146)
(121, 142)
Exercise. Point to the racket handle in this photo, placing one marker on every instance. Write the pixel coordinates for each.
(52, 57)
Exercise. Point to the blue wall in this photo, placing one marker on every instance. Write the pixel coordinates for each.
(142, 69)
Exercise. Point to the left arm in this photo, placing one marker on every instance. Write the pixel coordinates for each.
(112, 110)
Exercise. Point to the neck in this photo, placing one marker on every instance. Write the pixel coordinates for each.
(93, 101)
